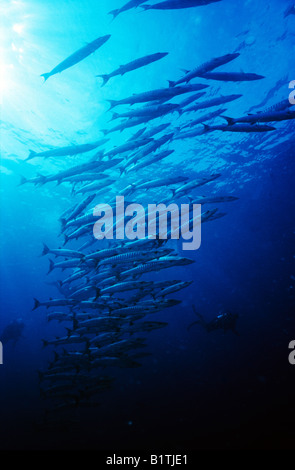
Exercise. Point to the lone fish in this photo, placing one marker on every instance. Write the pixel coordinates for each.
(78, 56)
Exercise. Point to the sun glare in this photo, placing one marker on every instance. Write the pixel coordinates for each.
(12, 29)
(18, 28)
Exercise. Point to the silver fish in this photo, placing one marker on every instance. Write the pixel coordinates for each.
(77, 56)
(178, 4)
(135, 64)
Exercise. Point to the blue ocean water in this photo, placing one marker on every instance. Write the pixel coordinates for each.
(196, 389)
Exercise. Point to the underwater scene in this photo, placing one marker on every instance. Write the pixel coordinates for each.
(147, 225)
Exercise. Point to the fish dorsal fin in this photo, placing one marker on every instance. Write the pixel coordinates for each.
(185, 70)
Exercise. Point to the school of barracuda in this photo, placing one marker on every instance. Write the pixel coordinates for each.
(103, 301)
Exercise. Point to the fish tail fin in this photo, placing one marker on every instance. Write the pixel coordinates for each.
(69, 332)
(45, 343)
(171, 83)
(32, 154)
(97, 293)
(229, 120)
(114, 116)
(122, 170)
(66, 239)
(51, 266)
(36, 304)
(82, 261)
(113, 103)
(115, 13)
(63, 222)
(45, 76)
(23, 180)
(45, 250)
(206, 127)
(105, 79)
